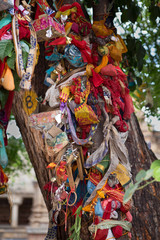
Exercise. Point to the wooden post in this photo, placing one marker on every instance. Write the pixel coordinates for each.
(69, 171)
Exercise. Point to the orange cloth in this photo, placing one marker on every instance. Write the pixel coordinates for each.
(100, 29)
(115, 53)
(103, 64)
(7, 80)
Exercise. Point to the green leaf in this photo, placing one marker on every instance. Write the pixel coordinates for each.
(16, 80)
(124, 17)
(6, 47)
(149, 174)
(140, 54)
(72, 228)
(133, 12)
(129, 192)
(155, 164)
(140, 176)
(156, 174)
(154, 12)
(11, 61)
(25, 57)
(131, 43)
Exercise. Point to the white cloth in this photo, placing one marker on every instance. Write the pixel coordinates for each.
(52, 96)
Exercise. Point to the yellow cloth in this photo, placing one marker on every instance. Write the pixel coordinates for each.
(88, 208)
(68, 27)
(65, 94)
(100, 29)
(88, 69)
(67, 12)
(103, 64)
(101, 193)
(85, 115)
(121, 45)
(117, 48)
(103, 50)
(122, 174)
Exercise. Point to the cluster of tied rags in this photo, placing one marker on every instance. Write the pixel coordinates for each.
(86, 129)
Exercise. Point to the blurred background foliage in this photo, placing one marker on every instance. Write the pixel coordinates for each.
(18, 160)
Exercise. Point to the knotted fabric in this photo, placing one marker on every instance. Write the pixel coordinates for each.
(118, 153)
(71, 53)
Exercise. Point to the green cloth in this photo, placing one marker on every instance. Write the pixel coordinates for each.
(5, 21)
(103, 165)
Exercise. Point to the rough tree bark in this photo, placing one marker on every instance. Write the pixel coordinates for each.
(145, 211)
(146, 216)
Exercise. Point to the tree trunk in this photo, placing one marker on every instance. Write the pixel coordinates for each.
(145, 202)
(145, 210)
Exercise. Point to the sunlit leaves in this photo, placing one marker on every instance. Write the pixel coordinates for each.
(153, 172)
(155, 166)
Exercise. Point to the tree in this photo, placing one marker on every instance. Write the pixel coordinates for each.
(145, 215)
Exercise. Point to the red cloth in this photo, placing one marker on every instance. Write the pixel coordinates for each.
(120, 99)
(94, 55)
(96, 78)
(48, 48)
(102, 234)
(117, 231)
(84, 49)
(5, 29)
(128, 109)
(38, 12)
(58, 41)
(75, 27)
(24, 32)
(85, 130)
(5, 114)
(8, 104)
(2, 66)
(69, 6)
(109, 70)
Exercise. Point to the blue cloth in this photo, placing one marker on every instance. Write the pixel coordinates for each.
(3, 154)
(71, 53)
(90, 187)
(98, 209)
